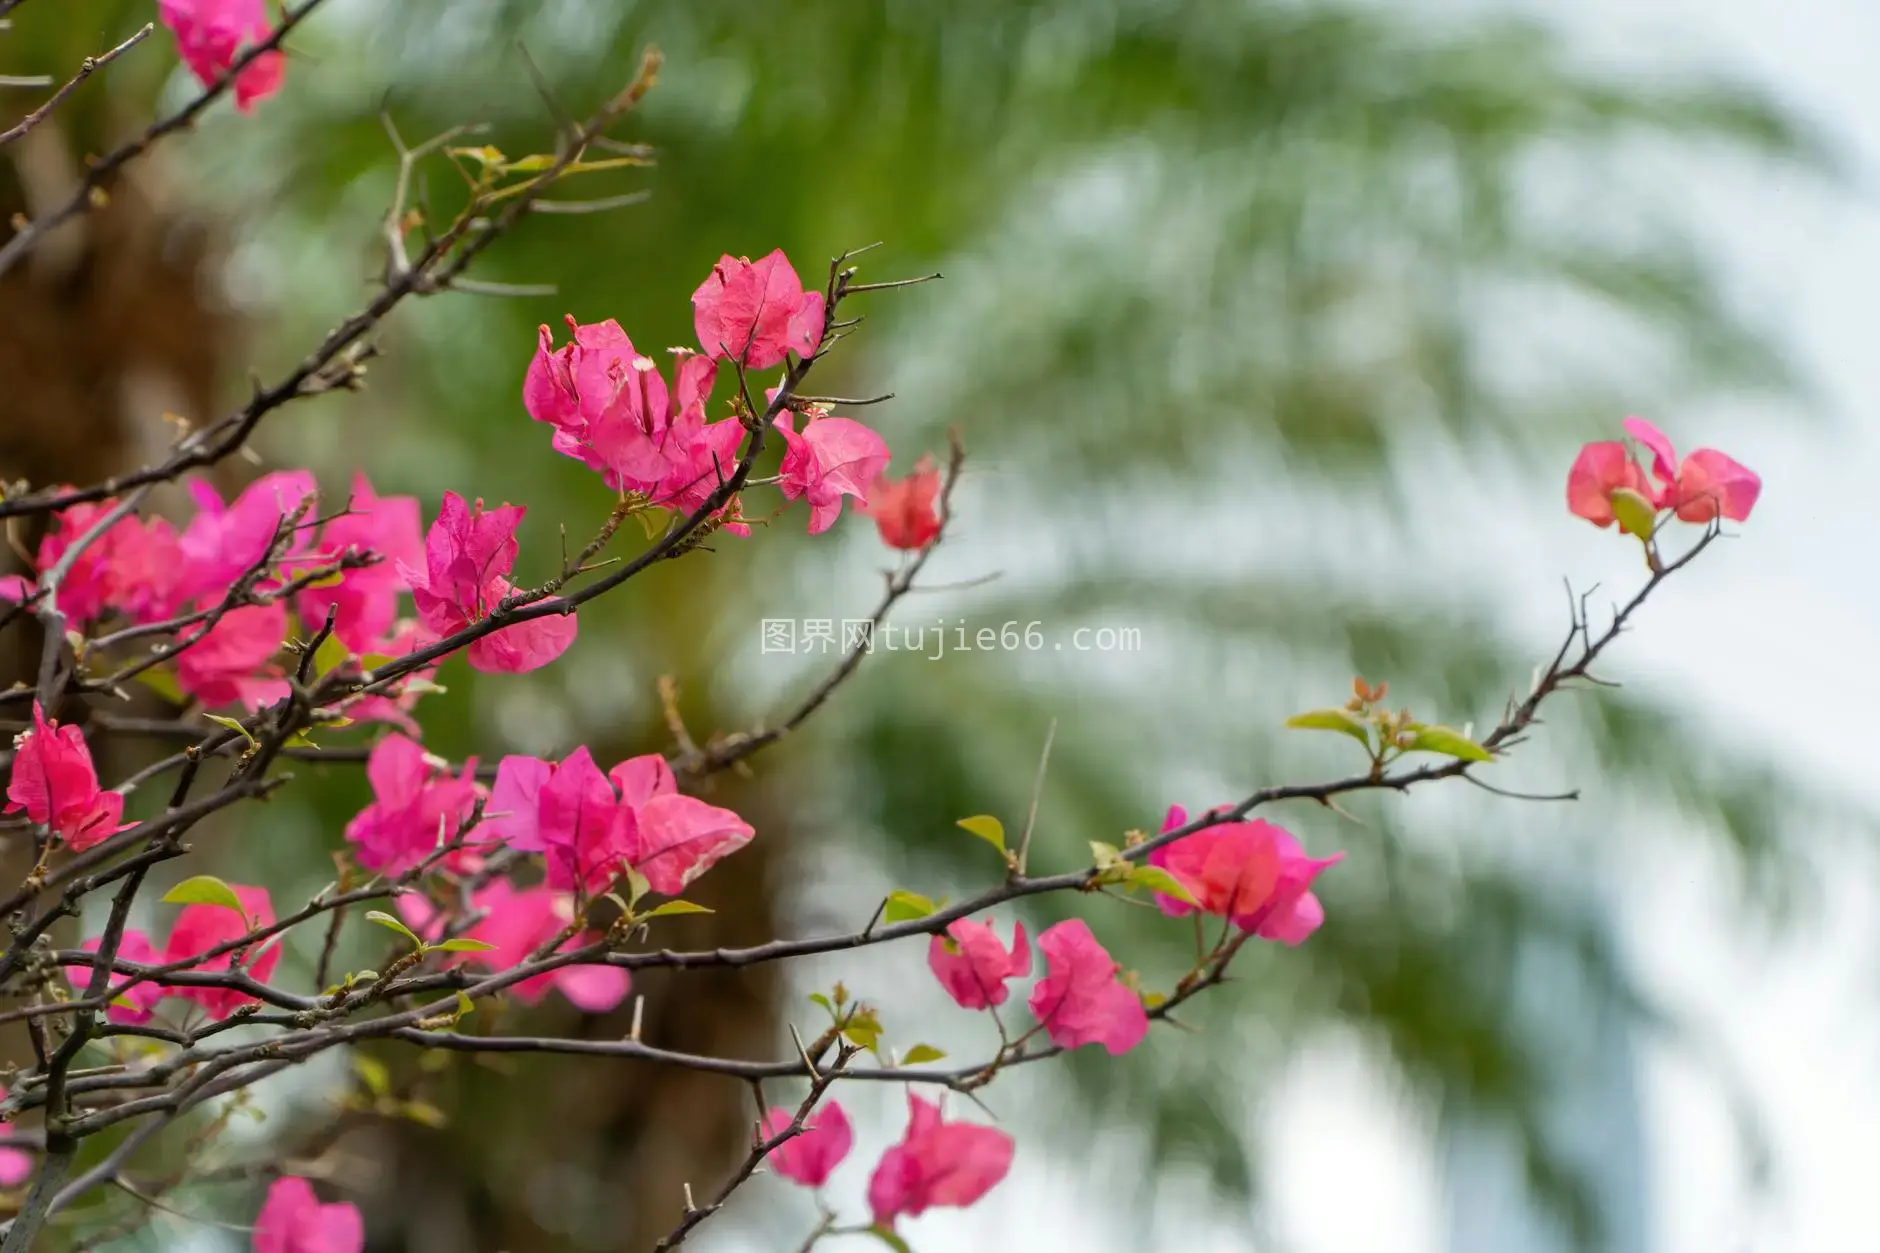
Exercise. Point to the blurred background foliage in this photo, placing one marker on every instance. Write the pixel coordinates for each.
(1229, 287)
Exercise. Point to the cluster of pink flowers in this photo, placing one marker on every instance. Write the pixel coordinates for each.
(515, 922)
(591, 826)
(1253, 874)
(935, 1163)
(611, 409)
(1081, 999)
(145, 571)
(416, 804)
(197, 929)
(1703, 487)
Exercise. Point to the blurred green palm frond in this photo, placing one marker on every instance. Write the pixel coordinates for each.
(1257, 254)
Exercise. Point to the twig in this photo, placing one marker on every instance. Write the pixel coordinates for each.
(86, 69)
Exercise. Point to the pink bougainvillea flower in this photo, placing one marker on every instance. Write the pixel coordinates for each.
(136, 1004)
(292, 1220)
(1253, 873)
(16, 1165)
(200, 928)
(416, 806)
(1600, 470)
(135, 568)
(937, 1163)
(223, 542)
(567, 387)
(756, 312)
(1080, 1000)
(517, 922)
(905, 510)
(832, 458)
(610, 406)
(229, 662)
(148, 570)
(468, 554)
(15, 588)
(589, 832)
(646, 433)
(211, 34)
(1706, 484)
(569, 812)
(642, 778)
(973, 966)
(513, 814)
(679, 838)
(584, 829)
(710, 458)
(810, 1156)
(54, 782)
(90, 586)
(365, 600)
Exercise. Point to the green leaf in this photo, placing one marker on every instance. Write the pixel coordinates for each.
(330, 656)
(1111, 865)
(233, 725)
(887, 1237)
(533, 164)
(987, 828)
(1342, 721)
(637, 886)
(655, 521)
(462, 944)
(668, 908)
(204, 889)
(817, 998)
(906, 906)
(392, 924)
(1448, 742)
(426, 1114)
(486, 155)
(863, 1030)
(373, 1073)
(922, 1053)
(162, 681)
(465, 1005)
(1634, 513)
(1156, 879)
